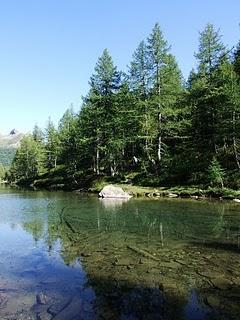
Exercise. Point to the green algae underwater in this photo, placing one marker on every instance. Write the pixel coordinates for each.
(73, 256)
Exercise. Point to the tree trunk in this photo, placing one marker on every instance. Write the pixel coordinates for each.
(159, 138)
(234, 142)
(113, 169)
(236, 153)
(159, 119)
(97, 160)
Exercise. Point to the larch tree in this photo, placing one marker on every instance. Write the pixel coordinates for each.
(166, 85)
(139, 83)
(29, 160)
(67, 134)
(104, 83)
(52, 146)
(204, 94)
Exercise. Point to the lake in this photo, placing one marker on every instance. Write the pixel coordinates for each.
(72, 256)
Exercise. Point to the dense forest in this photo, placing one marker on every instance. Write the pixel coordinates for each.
(148, 125)
(6, 158)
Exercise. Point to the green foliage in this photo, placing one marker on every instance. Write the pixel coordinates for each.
(146, 124)
(29, 160)
(7, 156)
(139, 77)
(213, 92)
(210, 50)
(3, 171)
(236, 60)
(38, 134)
(106, 78)
(52, 146)
(216, 173)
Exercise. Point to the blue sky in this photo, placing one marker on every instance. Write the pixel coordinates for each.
(48, 48)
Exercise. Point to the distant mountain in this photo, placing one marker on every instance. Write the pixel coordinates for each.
(8, 146)
(12, 140)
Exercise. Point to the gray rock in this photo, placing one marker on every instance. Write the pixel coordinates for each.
(236, 200)
(111, 191)
(172, 195)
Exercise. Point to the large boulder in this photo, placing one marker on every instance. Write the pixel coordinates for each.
(236, 200)
(113, 192)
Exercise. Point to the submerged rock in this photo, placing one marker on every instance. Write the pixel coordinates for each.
(3, 300)
(71, 311)
(111, 191)
(44, 316)
(41, 298)
(213, 300)
(221, 283)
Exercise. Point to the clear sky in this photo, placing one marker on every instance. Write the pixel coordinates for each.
(48, 48)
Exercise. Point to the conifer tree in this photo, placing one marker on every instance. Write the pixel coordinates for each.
(104, 83)
(140, 81)
(38, 134)
(210, 50)
(236, 60)
(52, 145)
(204, 96)
(165, 88)
(67, 135)
(216, 173)
(139, 77)
(29, 160)
(148, 121)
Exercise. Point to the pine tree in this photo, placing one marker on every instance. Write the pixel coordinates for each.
(210, 50)
(29, 160)
(139, 71)
(140, 84)
(52, 145)
(68, 151)
(106, 79)
(38, 134)
(236, 60)
(166, 86)
(204, 96)
(104, 83)
(216, 173)
(228, 111)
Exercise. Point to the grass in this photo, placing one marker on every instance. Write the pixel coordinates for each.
(180, 191)
(58, 179)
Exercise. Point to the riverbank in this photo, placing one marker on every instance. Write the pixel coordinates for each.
(193, 192)
(55, 180)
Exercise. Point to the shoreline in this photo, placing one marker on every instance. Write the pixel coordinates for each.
(179, 192)
(137, 191)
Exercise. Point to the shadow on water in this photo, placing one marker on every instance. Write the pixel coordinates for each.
(123, 300)
(127, 301)
(217, 245)
(216, 300)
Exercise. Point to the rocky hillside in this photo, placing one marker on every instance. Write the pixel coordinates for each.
(8, 145)
(12, 140)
